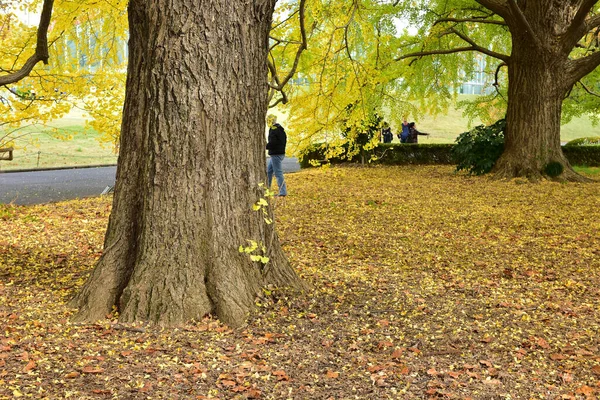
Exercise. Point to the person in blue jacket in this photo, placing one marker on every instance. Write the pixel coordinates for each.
(276, 147)
(405, 134)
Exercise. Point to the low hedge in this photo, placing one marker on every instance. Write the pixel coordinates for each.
(588, 156)
(413, 153)
(386, 154)
(585, 141)
(403, 154)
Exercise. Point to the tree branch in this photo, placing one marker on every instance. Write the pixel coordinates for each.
(577, 69)
(579, 27)
(41, 49)
(588, 90)
(303, 45)
(524, 23)
(421, 54)
(497, 73)
(497, 6)
(593, 23)
(478, 20)
(480, 49)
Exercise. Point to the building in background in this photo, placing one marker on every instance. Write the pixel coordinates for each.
(478, 82)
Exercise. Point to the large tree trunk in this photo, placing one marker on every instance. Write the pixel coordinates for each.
(537, 88)
(192, 157)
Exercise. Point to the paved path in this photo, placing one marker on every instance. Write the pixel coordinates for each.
(38, 187)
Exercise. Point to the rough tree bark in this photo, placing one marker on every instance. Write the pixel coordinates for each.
(539, 79)
(191, 159)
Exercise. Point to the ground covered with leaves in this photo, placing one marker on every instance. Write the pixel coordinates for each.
(424, 285)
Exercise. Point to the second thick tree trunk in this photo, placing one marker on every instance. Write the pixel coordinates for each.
(192, 157)
(536, 93)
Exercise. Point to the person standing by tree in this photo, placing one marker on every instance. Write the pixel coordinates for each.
(276, 146)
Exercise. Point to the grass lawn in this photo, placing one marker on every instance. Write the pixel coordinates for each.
(44, 149)
(445, 128)
(424, 284)
(593, 172)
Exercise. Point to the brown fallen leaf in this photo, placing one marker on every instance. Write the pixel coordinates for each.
(542, 343)
(281, 375)
(332, 374)
(454, 374)
(585, 390)
(30, 366)
(558, 357)
(397, 353)
(404, 370)
(567, 377)
(89, 369)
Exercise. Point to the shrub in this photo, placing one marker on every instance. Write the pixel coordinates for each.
(554, 169)
(478, 149)
(384, 153)
(585, 141)
(402, 154)
(583, 155)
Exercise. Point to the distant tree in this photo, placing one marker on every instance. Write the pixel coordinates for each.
(41, 47)
(192, 157)
(547, 48)
(350, 60)
(12, 72)
(87, 47)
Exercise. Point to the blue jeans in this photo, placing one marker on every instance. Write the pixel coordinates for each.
(274, 168)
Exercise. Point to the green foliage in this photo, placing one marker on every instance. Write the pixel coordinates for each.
(585, 141)
(402, 154)
(362, 134)
(413, 153)
(583, 155)
(554, 169)
(591, 171)
(383, 153)
(349, 60)
(477, 150)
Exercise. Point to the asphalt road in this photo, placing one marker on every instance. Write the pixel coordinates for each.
(38, 187)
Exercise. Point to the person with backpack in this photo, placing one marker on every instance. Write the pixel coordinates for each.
(386, 133)
(405, 134)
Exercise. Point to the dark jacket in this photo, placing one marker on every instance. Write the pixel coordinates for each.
(277, 140)
(387, 134)
(405, 133)
(414, 135)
